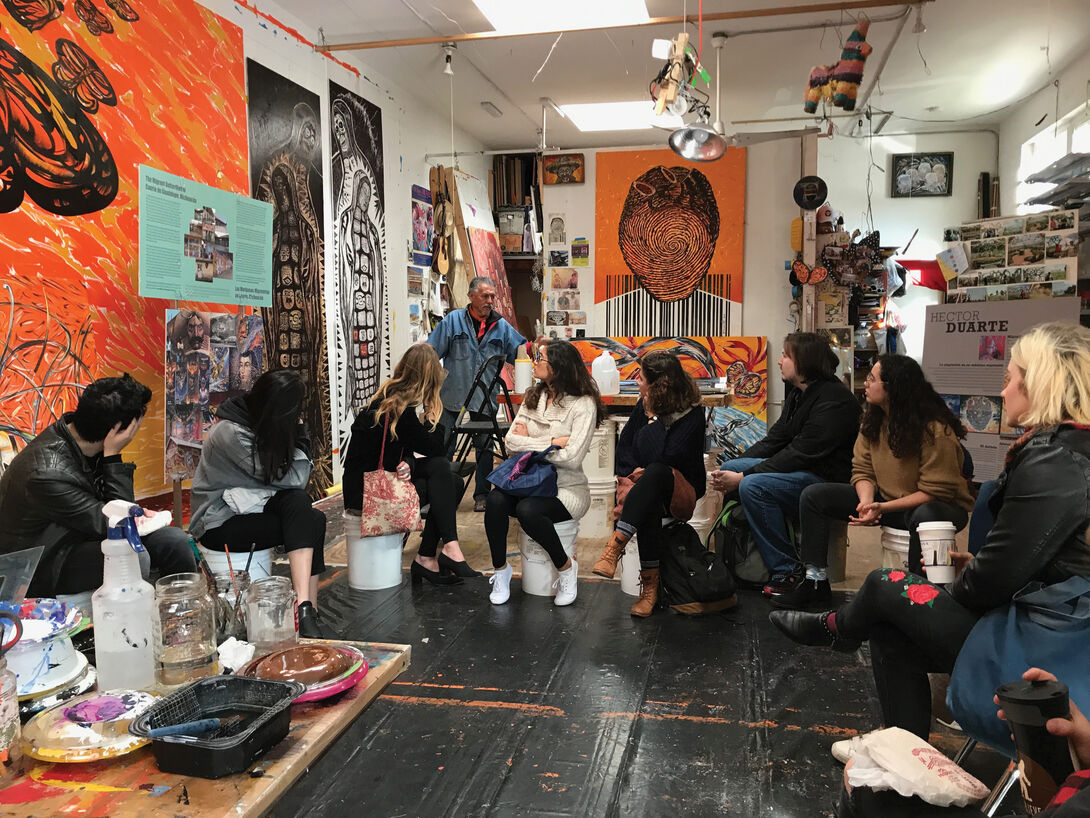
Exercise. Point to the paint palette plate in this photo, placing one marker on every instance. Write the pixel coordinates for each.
(51, 619)
(77, 687)
(90, 727)
(47, 684)
(325, 669)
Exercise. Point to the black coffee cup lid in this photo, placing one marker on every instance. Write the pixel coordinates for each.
(1033, 703)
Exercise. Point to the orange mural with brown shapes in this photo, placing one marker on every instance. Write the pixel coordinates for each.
(87, 95)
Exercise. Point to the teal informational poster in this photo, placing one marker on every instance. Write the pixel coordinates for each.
(198, 243)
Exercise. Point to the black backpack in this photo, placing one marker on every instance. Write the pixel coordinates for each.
(734, 543)
(692, 579)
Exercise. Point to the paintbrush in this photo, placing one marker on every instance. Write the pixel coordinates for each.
(193, 728)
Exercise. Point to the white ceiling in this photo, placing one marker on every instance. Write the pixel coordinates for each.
(981, 55)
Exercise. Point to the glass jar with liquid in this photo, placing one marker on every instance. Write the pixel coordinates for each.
(185, 633)
(271, 622)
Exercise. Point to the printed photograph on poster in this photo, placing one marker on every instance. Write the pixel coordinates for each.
(975, 294)
(968, 280)
(988, 253)
(1012, 227)
(565, 279)
(556, 318)
(1040, 289)
(993, 277)
(1056, 271)
(580, 252)
(954, 402)
(1037, 222)
(992, 348)
(558, 233)
(564, 300)
(423, 224)
(951, 234)
(1029, 275)
(1063, 220)
(577, 317)
(1062, 245)
(414, 313)
(832, 304)
(1027, 248)
(415, 281)
(989, 230)
(1017, 292)
(970, 231)
(558, 258)
(996, 293)
(1063, 289)
(980, 413)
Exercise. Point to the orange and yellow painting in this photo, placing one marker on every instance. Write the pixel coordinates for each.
(88, 95)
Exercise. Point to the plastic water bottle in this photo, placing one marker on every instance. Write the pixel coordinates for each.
(124, 607)
(604, 371)
(524, 371)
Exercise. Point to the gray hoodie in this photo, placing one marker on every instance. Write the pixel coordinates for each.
(228, 462)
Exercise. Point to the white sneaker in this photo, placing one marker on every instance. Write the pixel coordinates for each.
(844, 750)
(567, 585)
(501, 585)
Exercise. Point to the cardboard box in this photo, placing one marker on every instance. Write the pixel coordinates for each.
(511, 244)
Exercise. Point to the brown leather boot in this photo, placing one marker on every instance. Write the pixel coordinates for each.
(607, 561)
(649, 593)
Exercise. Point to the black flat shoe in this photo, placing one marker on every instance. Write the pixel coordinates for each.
(806, 593)
(811, 629)
(459, 569)
(418, 573)
(310, 623)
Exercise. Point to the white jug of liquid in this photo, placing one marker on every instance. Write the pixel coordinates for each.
(604, 371)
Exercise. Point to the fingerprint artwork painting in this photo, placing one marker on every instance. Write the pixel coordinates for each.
(668, 230)
(668, 242)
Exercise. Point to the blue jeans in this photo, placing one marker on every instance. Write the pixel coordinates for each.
(982, 520)
(769, 499)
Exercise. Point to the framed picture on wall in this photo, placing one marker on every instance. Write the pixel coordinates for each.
(563, 169)
(916, 175)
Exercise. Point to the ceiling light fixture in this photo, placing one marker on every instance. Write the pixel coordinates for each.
(507, 17)
(618, 116)
(919, 28)
(698, 142)
(448, 53)
(491, 109)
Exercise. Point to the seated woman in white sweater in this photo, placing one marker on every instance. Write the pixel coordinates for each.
(562, 409)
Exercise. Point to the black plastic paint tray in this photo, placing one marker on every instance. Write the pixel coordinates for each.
(265, 707)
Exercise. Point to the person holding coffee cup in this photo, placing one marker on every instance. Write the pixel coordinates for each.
(915, 627)
(908, 468)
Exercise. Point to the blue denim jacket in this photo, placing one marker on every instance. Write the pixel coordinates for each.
(455, 340)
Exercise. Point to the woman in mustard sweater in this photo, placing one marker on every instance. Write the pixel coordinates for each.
(907, 468)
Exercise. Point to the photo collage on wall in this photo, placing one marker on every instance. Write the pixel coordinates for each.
(566, 303)
(1017, 258)
(419, 273)
(208, 358)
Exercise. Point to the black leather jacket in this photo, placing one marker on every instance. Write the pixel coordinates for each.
(1042, 517)
(52, 494)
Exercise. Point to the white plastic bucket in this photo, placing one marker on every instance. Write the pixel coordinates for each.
(260, 565)
(538, 571)
(374, 563)
(598, 521)
(598, 463)
(895, 548)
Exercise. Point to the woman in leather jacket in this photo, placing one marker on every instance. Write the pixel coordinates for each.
(1042, 515)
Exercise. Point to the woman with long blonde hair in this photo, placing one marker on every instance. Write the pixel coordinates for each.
(404, 415)
(1042, 519)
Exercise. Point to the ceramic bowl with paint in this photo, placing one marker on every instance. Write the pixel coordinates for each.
(325, 669)
(44, 658)
(91, 727)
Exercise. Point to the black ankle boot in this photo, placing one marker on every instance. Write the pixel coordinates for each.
(310, 623)
(811, 629)
(806, 593)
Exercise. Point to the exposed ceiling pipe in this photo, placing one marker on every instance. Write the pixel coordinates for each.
(778, 11)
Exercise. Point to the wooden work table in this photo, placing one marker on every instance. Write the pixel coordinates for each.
(133, 785)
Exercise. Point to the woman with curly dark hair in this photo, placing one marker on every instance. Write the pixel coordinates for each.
(907, 469)
(562, 409)
(659, 467)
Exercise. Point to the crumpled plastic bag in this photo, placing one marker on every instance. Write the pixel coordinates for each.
(895, 759)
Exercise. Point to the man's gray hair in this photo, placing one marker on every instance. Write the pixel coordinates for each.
(478, 281)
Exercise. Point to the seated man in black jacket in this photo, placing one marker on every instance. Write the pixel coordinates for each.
(53, 492)
(810, 443)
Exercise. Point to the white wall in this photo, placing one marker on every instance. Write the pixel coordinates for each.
(409, 131)
(843, 164)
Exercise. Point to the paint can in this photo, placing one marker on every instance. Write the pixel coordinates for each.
(538, 571)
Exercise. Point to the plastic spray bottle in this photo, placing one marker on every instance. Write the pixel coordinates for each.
(124, 607)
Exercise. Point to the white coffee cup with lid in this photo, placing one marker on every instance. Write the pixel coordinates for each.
(937, 540)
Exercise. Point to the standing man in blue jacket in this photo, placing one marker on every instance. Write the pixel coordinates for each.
(811, 443)
(464, 340)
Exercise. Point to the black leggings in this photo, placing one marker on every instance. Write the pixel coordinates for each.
(536, 515)
(648, 501)
(440, 487)
(914, 628)
(288, 519)
(824, 502)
